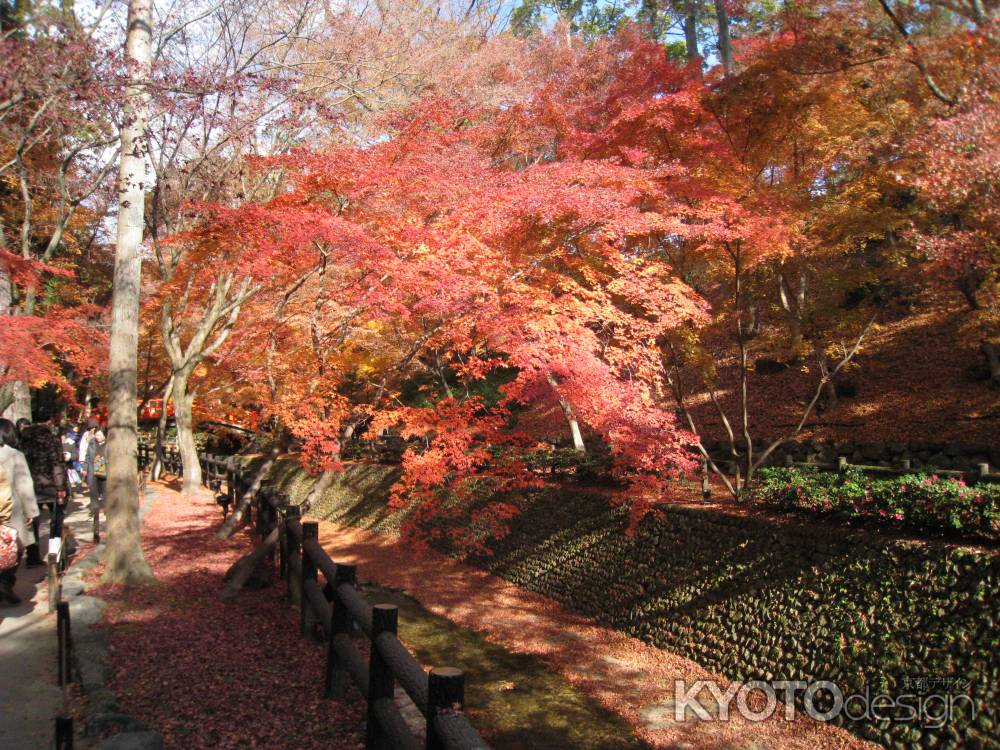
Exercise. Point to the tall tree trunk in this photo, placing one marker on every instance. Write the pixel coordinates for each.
(691, 29)
(650, 14)
(125, 562)
(992, 353)
(725, 44)
(183, 402)
(15, 397)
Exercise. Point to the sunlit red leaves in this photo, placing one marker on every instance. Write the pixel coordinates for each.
(38, 349)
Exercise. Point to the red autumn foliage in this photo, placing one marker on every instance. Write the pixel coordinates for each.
(486, 279)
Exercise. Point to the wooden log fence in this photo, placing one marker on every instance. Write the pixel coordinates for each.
(64, 645)
(332, 610)
(171, 457)
(56, 562)
(64, 672)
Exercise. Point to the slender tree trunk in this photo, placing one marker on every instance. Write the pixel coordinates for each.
(691, 30)
(725, 44)
(574, 427)
(161, 432)
(88, 396)
(321, 486)
(992, 353)
(15, 397)
(236, 517)
(183, 403)
(651, 14)
(125, 562)
(571, 420)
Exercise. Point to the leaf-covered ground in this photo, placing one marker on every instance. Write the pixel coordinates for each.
(918, 380)
(209, 674)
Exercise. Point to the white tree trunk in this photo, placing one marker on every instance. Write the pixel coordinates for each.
(183, 403)
(19, 397)
(15, 397)
(574, 424)
(125, 562)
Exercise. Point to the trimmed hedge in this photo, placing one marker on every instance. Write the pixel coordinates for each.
(758, 598)
(926, 503)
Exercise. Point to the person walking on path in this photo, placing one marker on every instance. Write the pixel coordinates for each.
(24, 508)
(88, 434)
(97, 470)
(10, 545)
(71, 452)
(43, 451)
(33, 558)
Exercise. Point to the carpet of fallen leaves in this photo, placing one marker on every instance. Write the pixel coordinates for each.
(209, 674)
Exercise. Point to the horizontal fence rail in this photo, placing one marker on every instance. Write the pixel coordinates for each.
(332, 610)
(170, 457)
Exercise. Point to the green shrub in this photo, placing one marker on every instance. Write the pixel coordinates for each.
(918, 501)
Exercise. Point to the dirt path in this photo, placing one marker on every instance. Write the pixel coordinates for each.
(29, 697)
(211, 675)
(633, 679)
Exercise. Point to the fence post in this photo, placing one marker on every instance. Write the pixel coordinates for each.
(260, 500)
(97, 522)
(310, 530)
(64, 733)
(445, 692)
(984, 469)
(53, 580)
(281, 548)
(63, 646)
(231, 474)
(337, 677)
(292, 551)
(706, 490)
(381, 681)
(203, 463)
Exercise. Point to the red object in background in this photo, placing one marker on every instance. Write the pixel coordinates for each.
(152, 410)
(148, 411)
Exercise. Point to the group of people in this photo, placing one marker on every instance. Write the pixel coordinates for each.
(41, 465)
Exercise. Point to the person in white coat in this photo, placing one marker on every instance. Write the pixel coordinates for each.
(24, 507)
